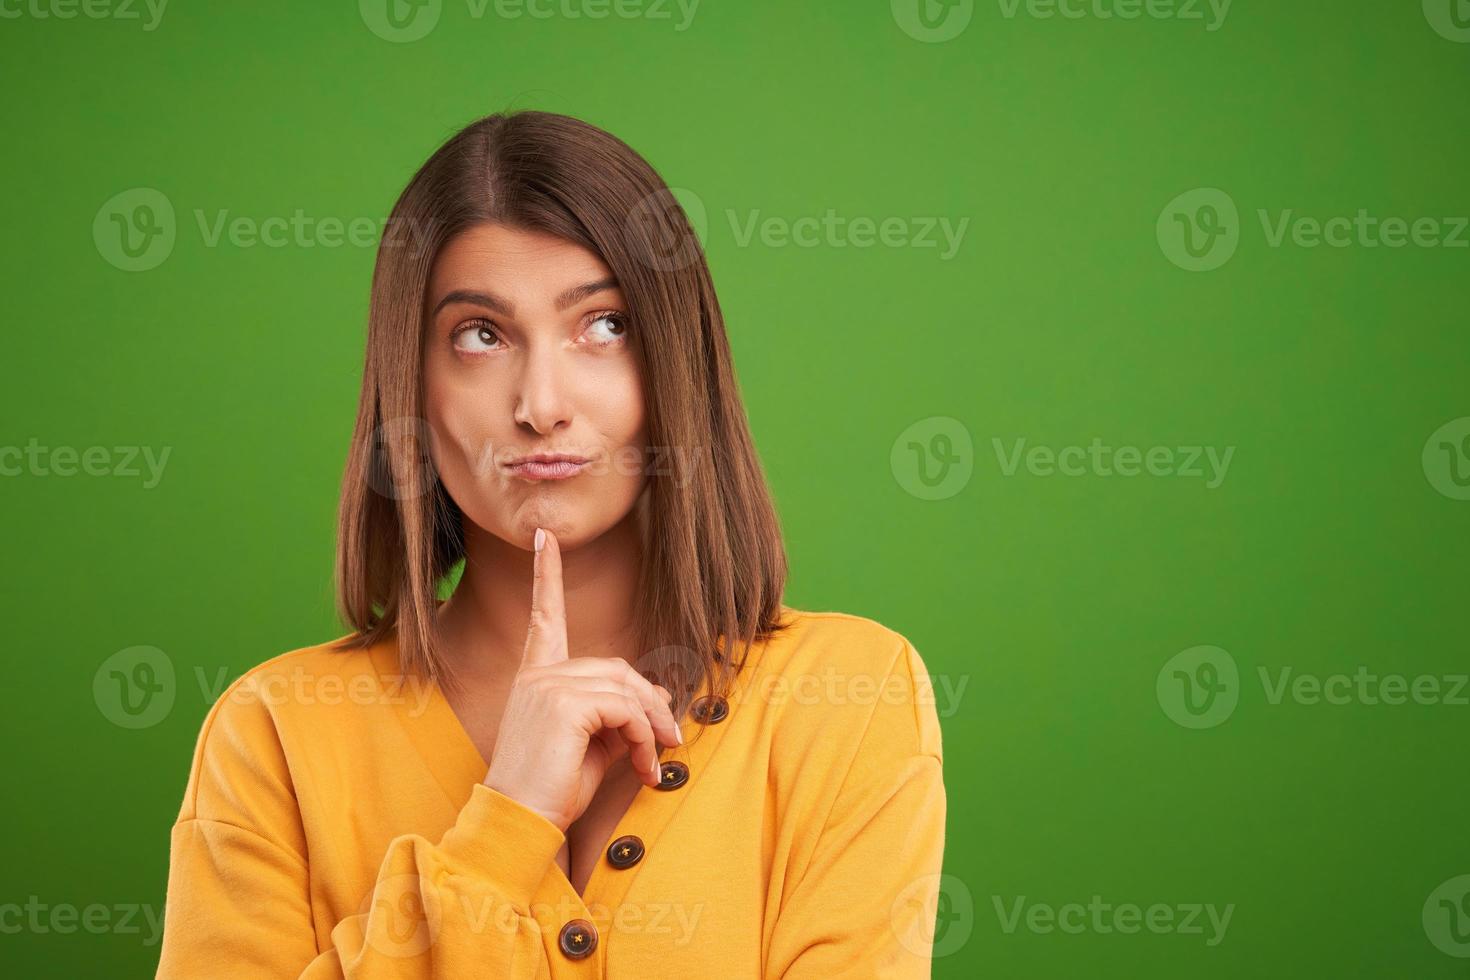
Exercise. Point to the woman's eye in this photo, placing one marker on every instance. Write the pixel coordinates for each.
(476, 336)
(608, 328)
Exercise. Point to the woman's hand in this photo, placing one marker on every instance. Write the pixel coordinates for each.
(567, 720)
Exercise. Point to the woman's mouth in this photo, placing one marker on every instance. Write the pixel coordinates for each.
(547, 466)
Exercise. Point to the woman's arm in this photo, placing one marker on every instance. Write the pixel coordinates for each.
(237, 902)
(865, 904)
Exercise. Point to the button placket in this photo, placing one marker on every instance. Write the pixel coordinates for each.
(609, 884)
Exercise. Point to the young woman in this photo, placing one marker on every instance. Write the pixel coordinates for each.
(612, 750)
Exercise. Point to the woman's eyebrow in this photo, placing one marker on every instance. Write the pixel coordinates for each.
(574, 295)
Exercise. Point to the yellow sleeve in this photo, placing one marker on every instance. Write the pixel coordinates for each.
(238, 902)
(864, 907)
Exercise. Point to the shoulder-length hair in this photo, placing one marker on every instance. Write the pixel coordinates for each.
(714, 567)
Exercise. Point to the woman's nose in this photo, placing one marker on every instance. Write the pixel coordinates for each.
(543, 391)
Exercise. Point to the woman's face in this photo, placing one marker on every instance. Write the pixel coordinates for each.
(527, 351)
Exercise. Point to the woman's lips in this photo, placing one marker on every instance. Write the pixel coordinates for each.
(561, 469)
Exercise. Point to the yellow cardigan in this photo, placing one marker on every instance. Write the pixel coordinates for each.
(335, 825)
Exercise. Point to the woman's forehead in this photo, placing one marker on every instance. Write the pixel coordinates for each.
(513, 261)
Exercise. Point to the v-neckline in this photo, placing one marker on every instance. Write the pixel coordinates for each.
(454, 760)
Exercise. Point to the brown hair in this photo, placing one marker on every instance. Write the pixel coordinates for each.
(714, 567)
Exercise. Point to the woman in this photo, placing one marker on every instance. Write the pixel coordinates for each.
(613, 750)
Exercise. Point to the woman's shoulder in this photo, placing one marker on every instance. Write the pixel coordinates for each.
(830, 623)
(833, 640)
(320, 675)
(323, 683)
(277, 709)
(841, 674)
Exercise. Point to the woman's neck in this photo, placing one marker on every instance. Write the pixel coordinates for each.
(484, 623)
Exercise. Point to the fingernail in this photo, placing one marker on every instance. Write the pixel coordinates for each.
(540, 538)
(679, 732)
(657, 770)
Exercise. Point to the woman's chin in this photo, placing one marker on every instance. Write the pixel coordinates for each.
(571, 529)
(574, 521)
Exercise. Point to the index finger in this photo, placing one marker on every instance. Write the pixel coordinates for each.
(546, 638)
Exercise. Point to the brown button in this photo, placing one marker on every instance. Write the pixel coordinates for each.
(625, 852)
(578, 939)
(672, 775)
(710, 710)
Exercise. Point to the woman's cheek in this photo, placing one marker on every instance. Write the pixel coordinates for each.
(620, 409)
(464, 447)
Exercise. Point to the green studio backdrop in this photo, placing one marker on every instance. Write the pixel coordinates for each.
(1114, 352)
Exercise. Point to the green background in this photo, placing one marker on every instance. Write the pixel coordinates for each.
(1055, 600)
